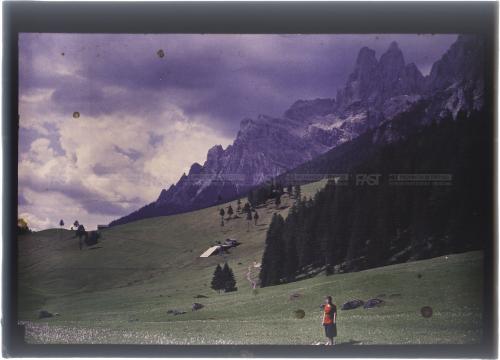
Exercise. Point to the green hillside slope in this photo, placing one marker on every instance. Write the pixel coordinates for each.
(120, 291)
(160, 254)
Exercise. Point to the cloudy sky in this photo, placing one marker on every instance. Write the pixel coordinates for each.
(144, 119)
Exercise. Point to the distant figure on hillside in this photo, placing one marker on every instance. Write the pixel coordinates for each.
(330, 320)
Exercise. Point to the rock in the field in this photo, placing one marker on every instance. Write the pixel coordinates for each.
(177, 312)
(44, 314)
(300, 314)
(199, 296)
(197, 306)
(294, 296)
(352, 304)
(373, 303)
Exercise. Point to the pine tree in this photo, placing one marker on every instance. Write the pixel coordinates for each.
(230, 211)
(249, 218)
(277, 201)
(298, 192)
(246, 208)
(256, 217)
(238, 209)
(222, 213)
(61, 224)
(251, 197)
(217, 280)
(291, 260)
(273, 259)
(228, 279)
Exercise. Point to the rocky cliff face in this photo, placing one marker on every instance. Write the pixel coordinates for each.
(376, 92)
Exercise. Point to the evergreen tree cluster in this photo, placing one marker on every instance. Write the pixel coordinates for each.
(353, 226)
(265, 192)
(223, 279)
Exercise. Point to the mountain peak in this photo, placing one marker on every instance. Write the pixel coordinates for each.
(366, 56)
(245, 123)
(195, 169)
(393, 58)
(215, 149)
(376, 92)
(393, 46)
(462, 62)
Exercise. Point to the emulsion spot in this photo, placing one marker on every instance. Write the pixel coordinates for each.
(300, 314)
(426, 311)
(160, 53)
(76, 115)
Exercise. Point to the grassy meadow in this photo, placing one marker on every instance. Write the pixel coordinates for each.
(120, 290)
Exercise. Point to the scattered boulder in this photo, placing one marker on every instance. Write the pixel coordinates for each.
(352, 304)
(44, 314)
(373, 303)
(294, 296)
(176, 312)
(199, 296)
(197, 306)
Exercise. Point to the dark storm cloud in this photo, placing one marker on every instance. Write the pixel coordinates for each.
(120, 86)
(219, 77)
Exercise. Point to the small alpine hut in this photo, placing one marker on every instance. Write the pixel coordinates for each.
(214, 250)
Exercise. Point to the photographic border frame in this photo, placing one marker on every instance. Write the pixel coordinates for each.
(239, 18)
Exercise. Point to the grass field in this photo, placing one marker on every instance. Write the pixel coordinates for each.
(120, 291)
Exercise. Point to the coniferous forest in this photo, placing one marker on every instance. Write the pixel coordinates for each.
(351, 226)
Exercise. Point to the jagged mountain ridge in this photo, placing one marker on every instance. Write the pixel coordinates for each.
(376, 92)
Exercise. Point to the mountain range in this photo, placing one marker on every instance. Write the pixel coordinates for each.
(377, 92)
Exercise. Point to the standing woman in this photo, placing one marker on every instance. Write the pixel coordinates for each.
(330, 320)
